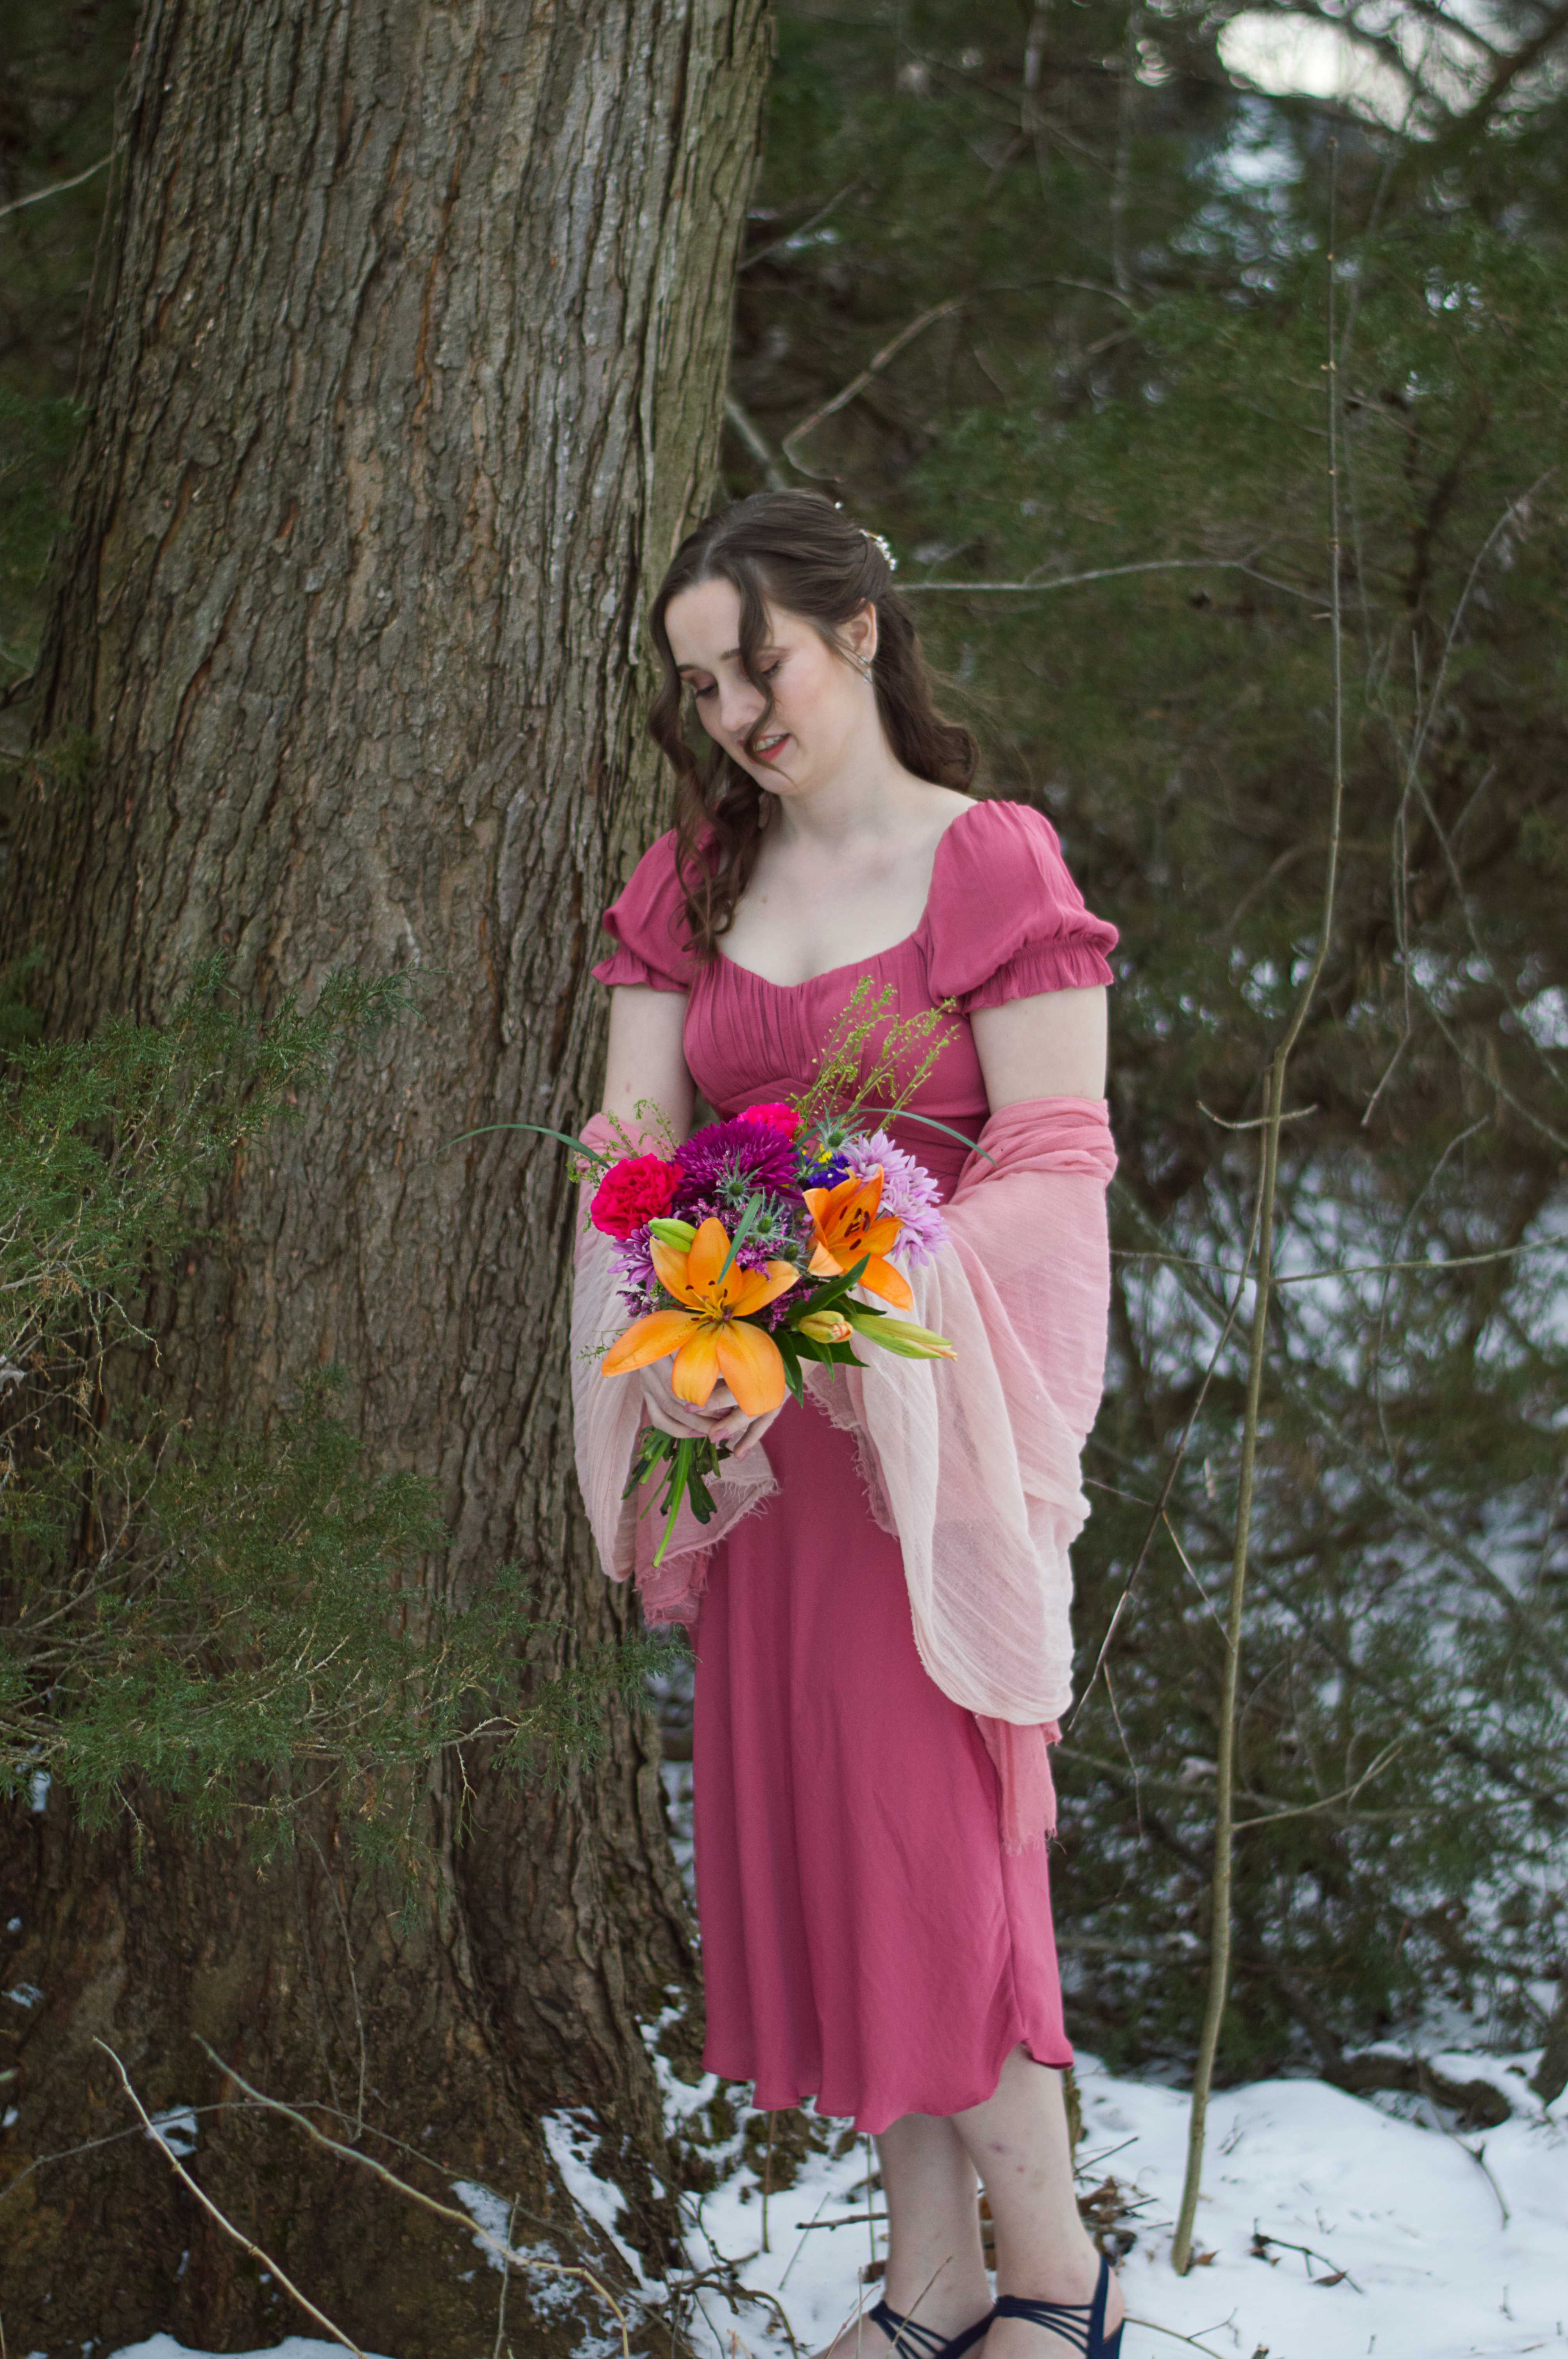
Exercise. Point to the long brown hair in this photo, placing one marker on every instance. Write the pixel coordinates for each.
(797, 551)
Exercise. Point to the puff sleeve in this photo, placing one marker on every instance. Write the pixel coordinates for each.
(648, 920)
(1006, 919)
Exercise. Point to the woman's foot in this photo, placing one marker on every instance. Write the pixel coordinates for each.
(1075, 2286)
(932, 2326)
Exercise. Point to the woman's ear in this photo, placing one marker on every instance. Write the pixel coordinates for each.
(860, 632)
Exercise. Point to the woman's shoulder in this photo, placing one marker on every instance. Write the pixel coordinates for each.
(1005, 917)
(648, 922)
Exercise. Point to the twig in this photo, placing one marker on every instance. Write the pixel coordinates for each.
(851, 2220)
(1308, 2253)
(1220, 1925)
(246, 2243)
(1157, 1516)
(858, 385)
(1111, 572)
(757, 443)
(56, 189)
(1151, 2327)
(793, 236)
(505, 2281)
(353, 1982)
(1345, 1793)
(767, 2182)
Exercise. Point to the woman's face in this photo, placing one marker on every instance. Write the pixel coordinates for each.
(822, 705)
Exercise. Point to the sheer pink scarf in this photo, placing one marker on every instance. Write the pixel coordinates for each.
(972, 1462)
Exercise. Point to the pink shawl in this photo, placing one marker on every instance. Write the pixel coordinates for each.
(972, 1462)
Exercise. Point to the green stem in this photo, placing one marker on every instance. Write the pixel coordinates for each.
(684, 1453)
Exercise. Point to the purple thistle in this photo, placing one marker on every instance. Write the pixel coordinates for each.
(908, 1192)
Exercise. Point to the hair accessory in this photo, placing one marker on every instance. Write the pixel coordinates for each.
(878, 542)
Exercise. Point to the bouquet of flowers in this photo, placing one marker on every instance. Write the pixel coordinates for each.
(749, 1249)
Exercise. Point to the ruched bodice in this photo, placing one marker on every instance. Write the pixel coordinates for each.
(1003, 920)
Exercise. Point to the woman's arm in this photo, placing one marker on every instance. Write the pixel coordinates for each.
(648, 1059)
(1052, 1046)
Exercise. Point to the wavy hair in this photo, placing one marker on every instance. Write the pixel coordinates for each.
(798, 552)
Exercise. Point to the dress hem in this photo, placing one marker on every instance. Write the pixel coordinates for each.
(860, 2120)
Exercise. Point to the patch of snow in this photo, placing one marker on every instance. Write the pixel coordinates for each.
(177, 2130)
(490, 2211)
(571, 2138)
(299, 2346)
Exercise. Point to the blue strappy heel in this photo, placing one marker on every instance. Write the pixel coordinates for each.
(1079, 2324)
(910, 2340)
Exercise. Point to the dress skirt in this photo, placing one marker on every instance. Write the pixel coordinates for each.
(865, 1938)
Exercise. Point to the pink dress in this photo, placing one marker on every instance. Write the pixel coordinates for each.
(865, 1938)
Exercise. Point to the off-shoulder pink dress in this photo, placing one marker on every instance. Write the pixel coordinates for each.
(865, 1938)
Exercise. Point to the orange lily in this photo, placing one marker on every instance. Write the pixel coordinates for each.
(713, 1337)
(846, 1223)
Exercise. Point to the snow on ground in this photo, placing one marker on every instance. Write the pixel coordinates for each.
(1421, 2245)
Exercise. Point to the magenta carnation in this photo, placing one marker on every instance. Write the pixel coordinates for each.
(637, 1189)
(777, 1117)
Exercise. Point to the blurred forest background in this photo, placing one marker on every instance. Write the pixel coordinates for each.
(1040, 293)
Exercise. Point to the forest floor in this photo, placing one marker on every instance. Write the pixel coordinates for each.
(1330, 2226)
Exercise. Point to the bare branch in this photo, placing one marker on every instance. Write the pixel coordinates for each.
(246, 2243)
(858, 385)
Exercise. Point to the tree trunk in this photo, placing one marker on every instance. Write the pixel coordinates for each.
(410, 382)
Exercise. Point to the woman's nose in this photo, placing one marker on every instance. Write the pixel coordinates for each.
(739, 708)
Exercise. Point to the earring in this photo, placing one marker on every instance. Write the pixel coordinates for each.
(862, 665)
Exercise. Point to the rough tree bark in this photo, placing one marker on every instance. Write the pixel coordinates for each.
(411, 378)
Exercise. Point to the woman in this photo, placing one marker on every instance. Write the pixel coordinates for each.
(868, 1939)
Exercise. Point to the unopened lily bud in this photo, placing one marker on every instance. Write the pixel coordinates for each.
(826, 1327)
(679, 1234)
(902, 1337)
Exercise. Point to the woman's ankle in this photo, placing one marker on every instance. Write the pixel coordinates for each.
(938, 2294)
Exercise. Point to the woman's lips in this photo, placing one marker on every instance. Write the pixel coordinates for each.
(772, 748)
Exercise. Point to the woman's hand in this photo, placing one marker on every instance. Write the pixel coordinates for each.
(719, 1418)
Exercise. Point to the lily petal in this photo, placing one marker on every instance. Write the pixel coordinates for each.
(880, 1278)
(670, 1263)
(753, 1367)
(695, 1371)
(646, 1340)
(705, 1259)
(759, 1287)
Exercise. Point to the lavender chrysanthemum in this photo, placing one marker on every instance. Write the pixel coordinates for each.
(640, 1289)
(908, 1190)
(749, 1150)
